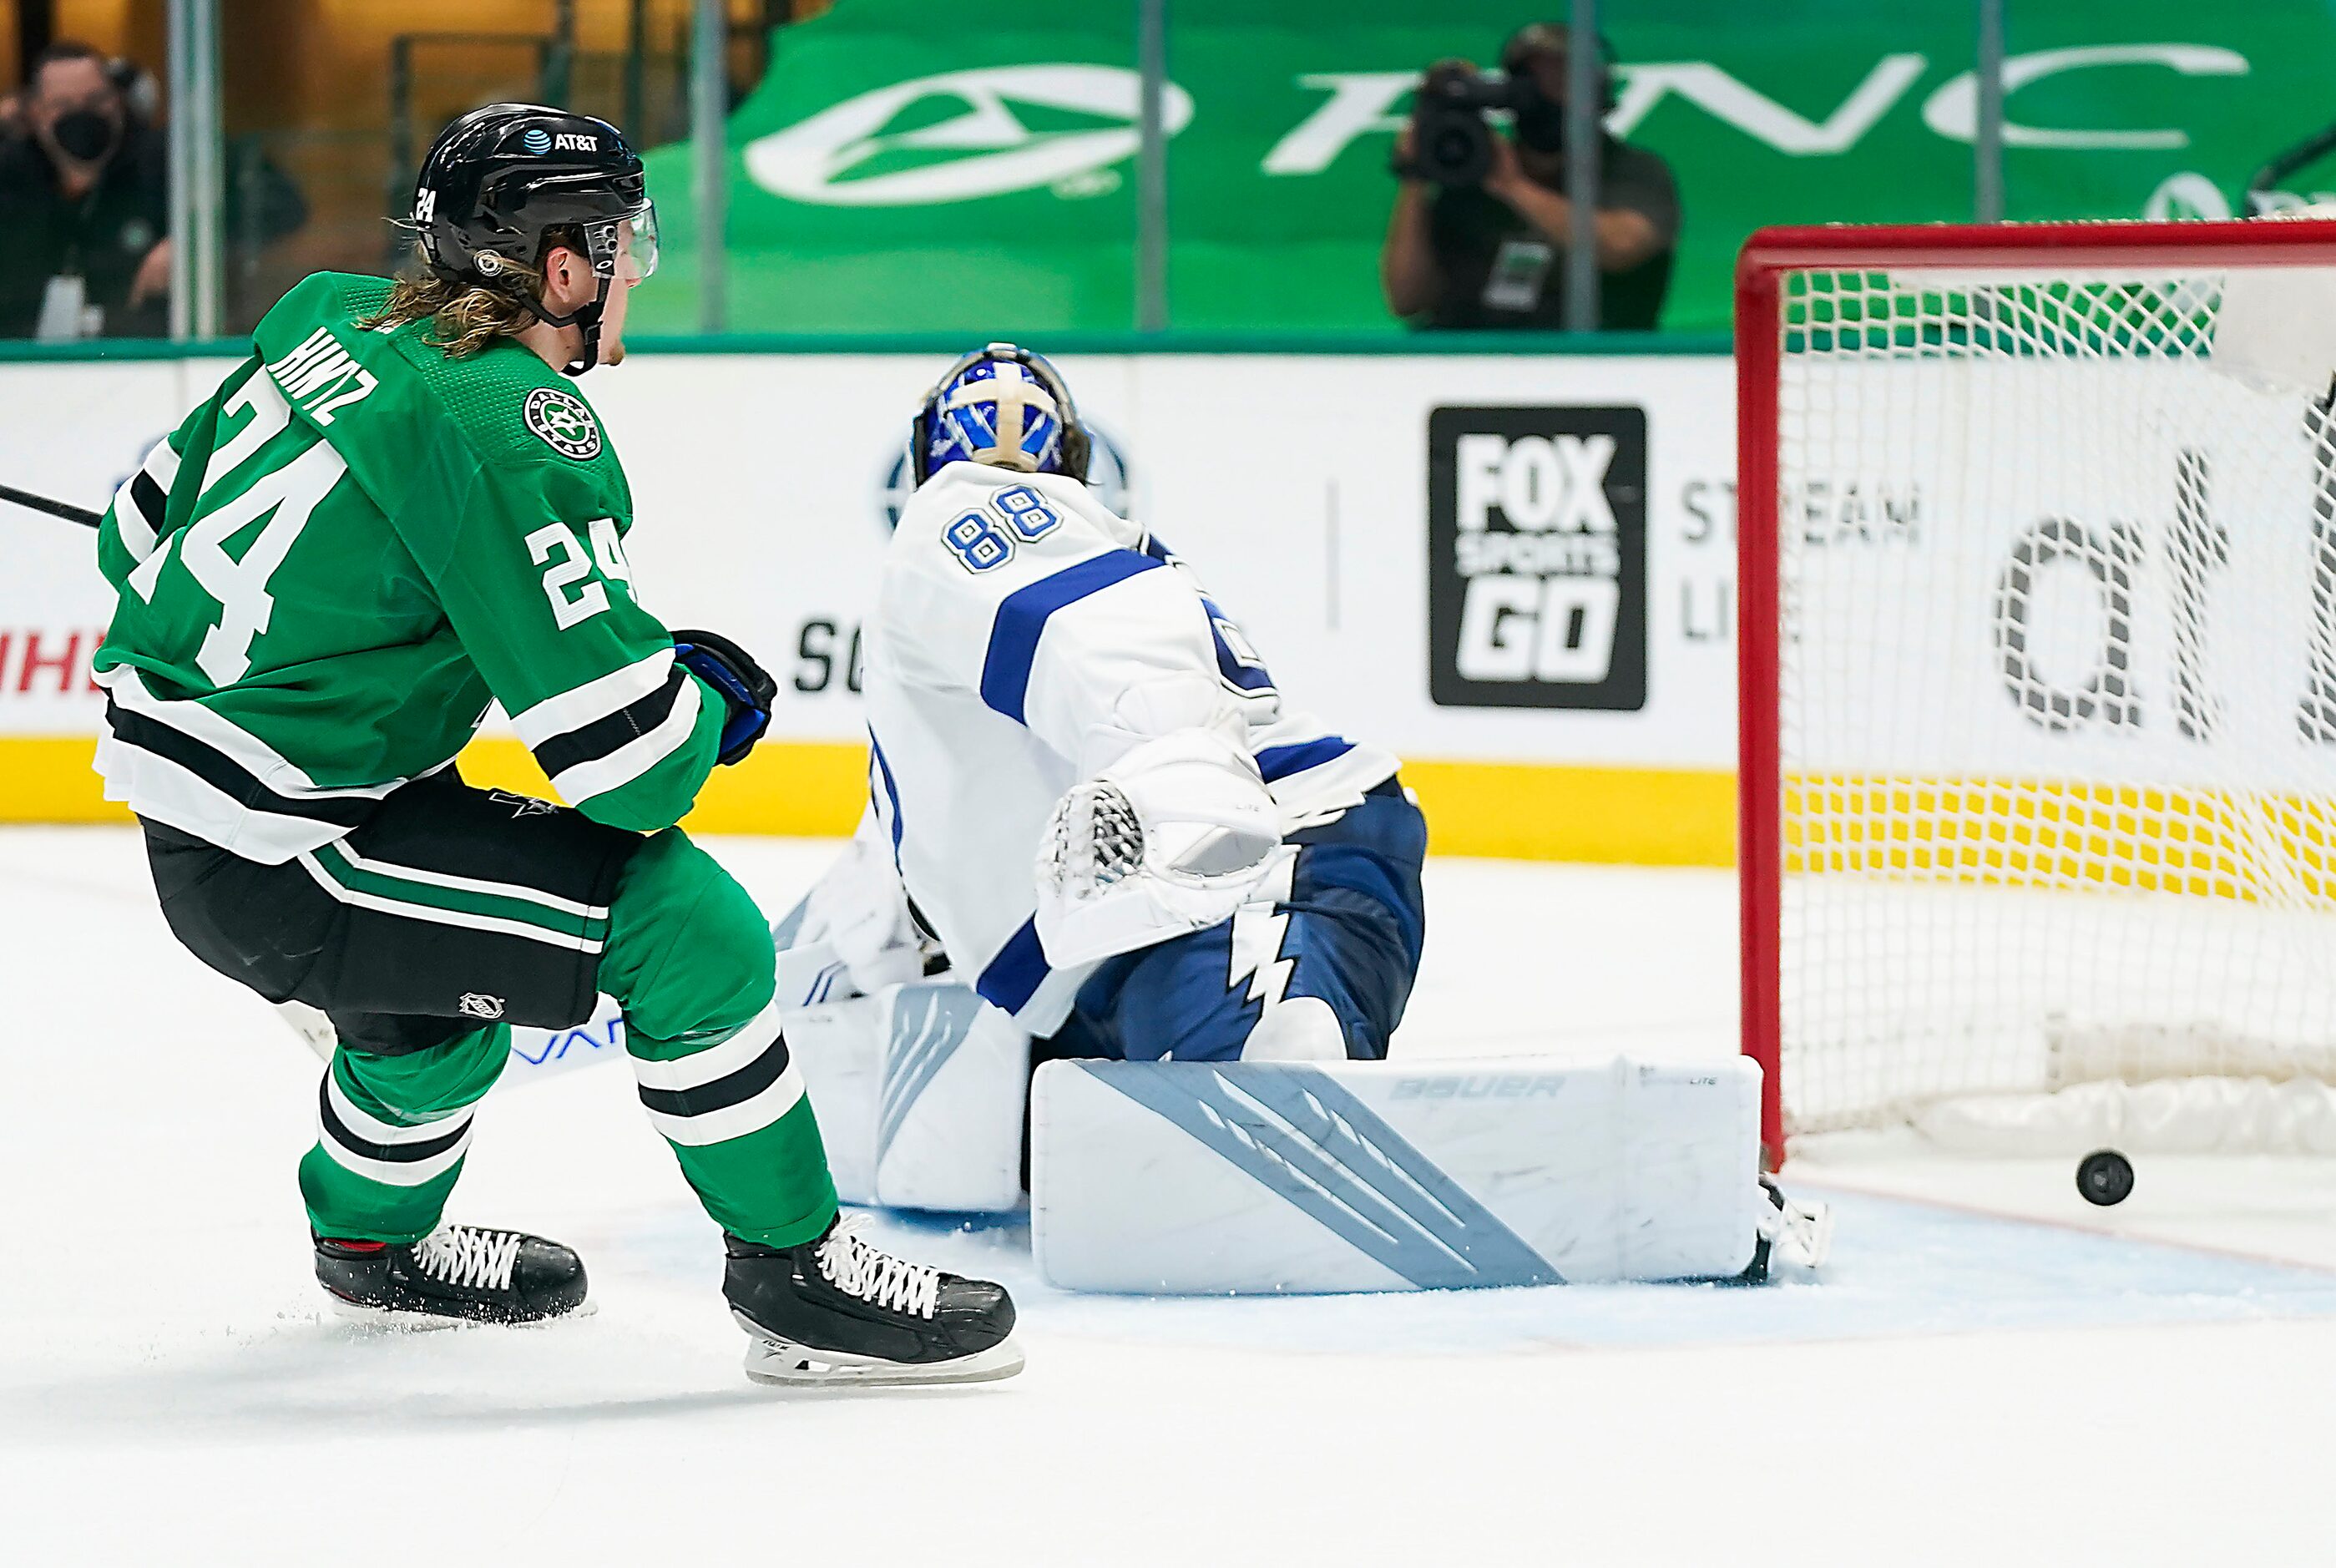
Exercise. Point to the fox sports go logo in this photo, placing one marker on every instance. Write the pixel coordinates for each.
(983, 150)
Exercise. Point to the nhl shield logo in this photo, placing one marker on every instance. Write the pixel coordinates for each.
(563, 424)
(479, 1005)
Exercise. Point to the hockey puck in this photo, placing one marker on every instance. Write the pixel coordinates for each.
(2105, 1177)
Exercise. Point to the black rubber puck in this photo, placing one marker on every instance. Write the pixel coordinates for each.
(2105, 1177)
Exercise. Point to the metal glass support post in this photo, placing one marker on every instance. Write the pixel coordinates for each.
(1151, 167)
(209, 158)
(194, 155)
(709, 115)
(1987, 145)
(1585, 138)
(558, 73)
(183, 169)
(636, 44)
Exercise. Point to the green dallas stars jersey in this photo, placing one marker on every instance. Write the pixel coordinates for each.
(327, 572)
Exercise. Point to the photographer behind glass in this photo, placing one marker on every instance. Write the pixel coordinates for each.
(1478, 235)
(84, 206)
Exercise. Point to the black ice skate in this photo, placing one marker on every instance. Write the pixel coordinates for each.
(836, 1311)
(457, 1273)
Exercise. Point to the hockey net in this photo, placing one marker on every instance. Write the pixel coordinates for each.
(2039, 702)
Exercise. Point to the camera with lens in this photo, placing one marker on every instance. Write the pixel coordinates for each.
(1451, 130)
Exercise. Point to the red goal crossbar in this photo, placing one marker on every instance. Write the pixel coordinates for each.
(1768, 256)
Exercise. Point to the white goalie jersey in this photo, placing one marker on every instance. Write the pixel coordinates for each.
(1025, 640)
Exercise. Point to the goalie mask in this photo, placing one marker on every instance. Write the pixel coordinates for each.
(1005, 407)
(500, 179)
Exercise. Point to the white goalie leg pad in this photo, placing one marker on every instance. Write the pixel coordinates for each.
(948, 1117)
(1171, 838)
(540, 1053)
(810, 974)
(839, 1050)
(1215, 1177)
(535, 1054)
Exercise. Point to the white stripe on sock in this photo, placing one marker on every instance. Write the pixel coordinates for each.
(757, 1035)
(734, 1121)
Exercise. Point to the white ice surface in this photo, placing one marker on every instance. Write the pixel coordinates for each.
(1960, 1387)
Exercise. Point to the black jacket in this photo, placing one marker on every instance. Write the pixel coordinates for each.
(102, 237)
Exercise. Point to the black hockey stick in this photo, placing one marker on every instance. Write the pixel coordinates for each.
(64, 508)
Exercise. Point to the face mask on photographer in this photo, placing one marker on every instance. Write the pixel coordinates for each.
(87, 135)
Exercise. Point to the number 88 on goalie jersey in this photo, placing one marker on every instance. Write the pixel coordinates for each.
(1025, 638)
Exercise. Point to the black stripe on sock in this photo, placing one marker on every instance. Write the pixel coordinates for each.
(227, 775)
(722, 1093)
(393, 1154)
(589, 742)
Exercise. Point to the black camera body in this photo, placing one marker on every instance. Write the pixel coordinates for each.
(1451, 136)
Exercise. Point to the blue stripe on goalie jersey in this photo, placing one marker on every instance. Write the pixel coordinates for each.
(1013, 976)
(1280, 762)
(1237, 657)
(891, 796)
(1237, 661)
(1022, 618)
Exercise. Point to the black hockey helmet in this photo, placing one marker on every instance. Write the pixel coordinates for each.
(499, 178)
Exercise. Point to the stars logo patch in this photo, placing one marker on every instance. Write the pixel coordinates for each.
(562, 422)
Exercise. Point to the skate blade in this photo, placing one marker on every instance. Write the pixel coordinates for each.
(777, 1363)
(409, 1322)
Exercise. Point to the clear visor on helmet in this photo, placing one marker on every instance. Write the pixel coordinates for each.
(640, 259)
(636, 244)
(626, 248)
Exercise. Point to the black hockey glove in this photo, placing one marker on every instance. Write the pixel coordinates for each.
(745, 684)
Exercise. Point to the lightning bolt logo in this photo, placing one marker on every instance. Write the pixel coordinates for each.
(1258, 927)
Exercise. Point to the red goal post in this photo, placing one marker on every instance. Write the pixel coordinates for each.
(1855, 348)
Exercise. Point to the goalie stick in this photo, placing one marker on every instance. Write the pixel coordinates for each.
(64, 508)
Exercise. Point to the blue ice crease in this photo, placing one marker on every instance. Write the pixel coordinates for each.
(1898, 1268)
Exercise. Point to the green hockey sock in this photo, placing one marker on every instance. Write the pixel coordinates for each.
(393, 1132)
(689, 957)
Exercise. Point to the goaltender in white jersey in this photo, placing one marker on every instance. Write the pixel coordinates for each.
(1091, 807)
(1078, 760)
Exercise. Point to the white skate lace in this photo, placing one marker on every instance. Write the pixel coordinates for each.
(467, 1255)
(857, 1269)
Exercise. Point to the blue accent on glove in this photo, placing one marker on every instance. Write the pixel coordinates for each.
(745, 685)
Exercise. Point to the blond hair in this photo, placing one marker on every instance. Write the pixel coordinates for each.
(465, 318)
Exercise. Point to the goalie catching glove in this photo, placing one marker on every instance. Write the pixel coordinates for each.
(746, 686)
(1172, 838)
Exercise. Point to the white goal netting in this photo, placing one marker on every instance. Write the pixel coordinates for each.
(2057, 655)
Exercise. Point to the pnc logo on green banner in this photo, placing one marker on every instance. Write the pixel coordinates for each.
(1537, 558)
(845, 156)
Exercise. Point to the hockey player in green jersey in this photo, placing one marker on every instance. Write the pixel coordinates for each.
(395, 512)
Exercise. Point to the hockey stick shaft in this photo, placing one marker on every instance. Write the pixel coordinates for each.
(64, 508)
